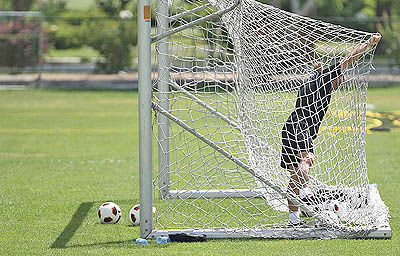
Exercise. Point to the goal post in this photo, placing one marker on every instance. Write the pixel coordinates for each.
(228, 76)
(145, 122)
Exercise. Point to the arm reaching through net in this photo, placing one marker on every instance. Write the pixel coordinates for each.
(350, 58)
(356, 53)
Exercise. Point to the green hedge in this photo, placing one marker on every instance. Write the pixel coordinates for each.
(113, 39)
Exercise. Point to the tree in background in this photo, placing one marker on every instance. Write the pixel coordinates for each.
(356, 13)
(111, 7)
(113, 35)
(389, 28)
(16, 5)
(52, 8)
(301, 7)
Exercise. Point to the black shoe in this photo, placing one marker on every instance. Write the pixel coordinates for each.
(184, 237)
(301, 224)
(329, 194)
(313, 203)
(312, 200)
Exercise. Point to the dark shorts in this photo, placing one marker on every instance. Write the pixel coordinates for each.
(296, 138)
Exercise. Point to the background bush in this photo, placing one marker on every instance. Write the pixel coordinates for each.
(63, 35)
(113, 39)
(19, 43)
(65, 30)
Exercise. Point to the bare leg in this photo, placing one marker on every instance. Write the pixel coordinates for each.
(299, 177)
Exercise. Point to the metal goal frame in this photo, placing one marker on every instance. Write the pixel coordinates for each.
(145, 40)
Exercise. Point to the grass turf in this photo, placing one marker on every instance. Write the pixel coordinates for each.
(63, 153)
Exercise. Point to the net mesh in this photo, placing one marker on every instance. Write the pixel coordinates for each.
(230, 84)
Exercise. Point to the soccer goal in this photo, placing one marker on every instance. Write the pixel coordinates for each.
(211, 116)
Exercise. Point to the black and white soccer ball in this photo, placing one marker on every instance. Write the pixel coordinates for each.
(335, 210)
(134, 214)
(109, 213)
(341, 209)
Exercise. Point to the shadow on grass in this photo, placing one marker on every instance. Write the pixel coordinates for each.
(76, 221)
(111, 243)
(73, 225)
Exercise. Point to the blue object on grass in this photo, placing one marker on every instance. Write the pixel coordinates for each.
(141, 241)
(163, 239)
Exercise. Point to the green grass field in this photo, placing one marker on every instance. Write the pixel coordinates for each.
(63, 153)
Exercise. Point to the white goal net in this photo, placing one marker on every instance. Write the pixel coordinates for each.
(224, 94)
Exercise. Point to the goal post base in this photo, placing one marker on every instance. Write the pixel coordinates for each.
(281, 233)
(383, 232)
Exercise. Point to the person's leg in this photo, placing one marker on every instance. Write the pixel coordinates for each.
(298, 184)
(293, 188)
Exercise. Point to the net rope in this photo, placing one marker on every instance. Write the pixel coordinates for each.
(235, 81)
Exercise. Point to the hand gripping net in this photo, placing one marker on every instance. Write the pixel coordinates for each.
(230, 84)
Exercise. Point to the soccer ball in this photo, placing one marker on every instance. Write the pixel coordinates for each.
(335, 211)
(330, 216)
(134, 214)
(109, 213)
(337, 207)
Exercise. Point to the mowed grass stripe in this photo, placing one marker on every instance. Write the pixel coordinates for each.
(63, 115)
(65, 131)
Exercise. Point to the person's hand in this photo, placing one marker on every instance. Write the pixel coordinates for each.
(318, 67)
(375, 39)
